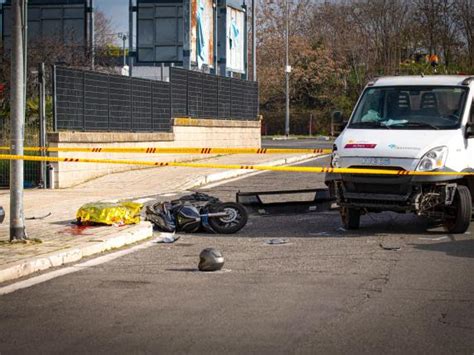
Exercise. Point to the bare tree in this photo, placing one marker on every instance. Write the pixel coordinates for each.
(464, 15)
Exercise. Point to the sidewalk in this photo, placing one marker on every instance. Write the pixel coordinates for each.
(54, 241)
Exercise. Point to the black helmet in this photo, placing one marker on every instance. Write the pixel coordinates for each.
(210, 259)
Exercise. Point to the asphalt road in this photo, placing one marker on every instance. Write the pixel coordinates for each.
(395, 286)
(297, 143)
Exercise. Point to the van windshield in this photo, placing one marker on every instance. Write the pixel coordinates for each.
(400, 107)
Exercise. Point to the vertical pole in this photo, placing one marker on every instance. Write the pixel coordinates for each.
(17, 218)
(124, 38)
(42, 116)
(162, 71)
(92, 34)
(55, 112)
(254, 40)
(287, 74)
(130, 36)
(216, 38)
(187, 34)
(25, 50)
(246, 42)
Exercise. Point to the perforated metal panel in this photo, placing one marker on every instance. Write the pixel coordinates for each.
(179, 92)
(93, 101)
(195, 94)
(224, 100)
(120, 103)
(70, 99)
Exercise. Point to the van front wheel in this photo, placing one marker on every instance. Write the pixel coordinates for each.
(350, 217)
(459, 213)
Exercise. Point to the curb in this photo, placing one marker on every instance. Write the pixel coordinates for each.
(130, 235)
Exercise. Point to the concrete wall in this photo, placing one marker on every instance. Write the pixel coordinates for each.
(186, 133)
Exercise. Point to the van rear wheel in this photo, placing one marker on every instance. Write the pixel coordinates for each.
(459, 213)
(350, 217)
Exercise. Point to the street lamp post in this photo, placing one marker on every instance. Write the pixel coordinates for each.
(123, 36)
(287, 73)
(17, 99)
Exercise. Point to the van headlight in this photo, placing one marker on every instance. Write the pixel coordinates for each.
(335, 160)
(434, 159)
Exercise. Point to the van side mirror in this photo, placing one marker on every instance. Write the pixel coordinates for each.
(337, 117)
(337, 124)
(470, 130)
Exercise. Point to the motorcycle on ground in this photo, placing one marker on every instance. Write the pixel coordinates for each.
(197, 212)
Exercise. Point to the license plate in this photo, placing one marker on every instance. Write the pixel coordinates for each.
(376, 161)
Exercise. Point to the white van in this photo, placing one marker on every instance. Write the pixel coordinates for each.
(413, 123)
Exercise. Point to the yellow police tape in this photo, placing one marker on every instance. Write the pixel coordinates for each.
(155, 150)
(297, 169)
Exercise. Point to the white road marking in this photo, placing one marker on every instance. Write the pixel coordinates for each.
(75, 268)
(223, 182)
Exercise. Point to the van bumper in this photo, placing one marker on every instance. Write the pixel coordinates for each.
(387, 192)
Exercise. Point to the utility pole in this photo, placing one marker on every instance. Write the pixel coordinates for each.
(254, 40)
(130, 37)
(287, 74)
(92, 33)
(17, 218)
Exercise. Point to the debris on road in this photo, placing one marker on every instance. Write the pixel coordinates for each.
(37, 218)
(435, 239)
(167, 238)
(277, 241)
(210, 259)
(390, 247)
(107, 213)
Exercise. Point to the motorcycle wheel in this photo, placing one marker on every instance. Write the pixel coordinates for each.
(235, 220)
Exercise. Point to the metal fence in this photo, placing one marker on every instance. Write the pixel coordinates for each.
(31, 168)
(90, 101)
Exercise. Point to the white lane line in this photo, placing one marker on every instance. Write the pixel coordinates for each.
(71, 269)
(245, 176)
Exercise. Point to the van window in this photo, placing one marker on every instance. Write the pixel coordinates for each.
(410, 107)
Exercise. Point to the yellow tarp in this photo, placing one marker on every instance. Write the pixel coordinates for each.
(110, 213)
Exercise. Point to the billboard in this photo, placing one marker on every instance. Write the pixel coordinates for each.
(235, 40)
(202, 32)
(159, 31)
(63, 21)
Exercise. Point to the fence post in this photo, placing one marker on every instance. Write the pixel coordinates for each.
(55, 106)
(151, 107)
(131, 104)
(83, 101)
(108, 102)
(42, 117)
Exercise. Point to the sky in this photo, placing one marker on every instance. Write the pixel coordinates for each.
(117, 11)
